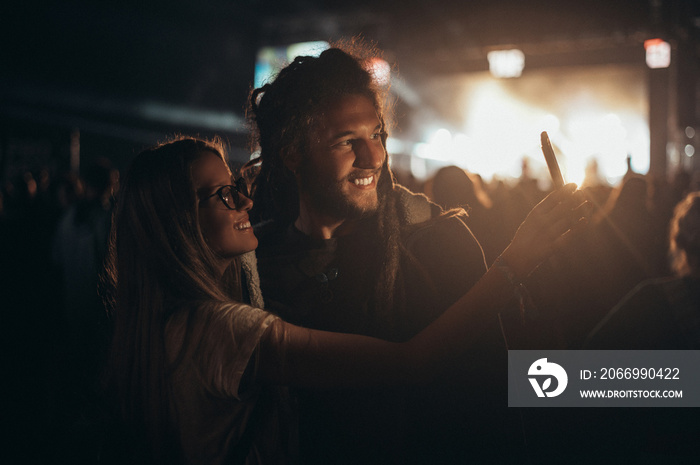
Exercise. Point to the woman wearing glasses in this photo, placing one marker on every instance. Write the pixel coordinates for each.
(195, 369)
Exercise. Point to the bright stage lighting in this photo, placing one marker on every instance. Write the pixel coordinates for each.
(380, 71)
(589, 113)
(506, 63)
(658, 53)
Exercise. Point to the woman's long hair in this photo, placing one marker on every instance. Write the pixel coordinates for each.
(158, 263)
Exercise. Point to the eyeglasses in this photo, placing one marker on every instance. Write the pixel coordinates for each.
(231, 195)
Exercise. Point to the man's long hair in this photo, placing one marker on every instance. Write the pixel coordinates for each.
(158, 262)
(283, 113)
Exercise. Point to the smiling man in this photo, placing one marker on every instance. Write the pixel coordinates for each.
(338, 176)
(343, 248)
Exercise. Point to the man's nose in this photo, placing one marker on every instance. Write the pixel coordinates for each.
(369, 154)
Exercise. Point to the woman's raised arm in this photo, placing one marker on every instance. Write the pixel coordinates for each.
(302, 357)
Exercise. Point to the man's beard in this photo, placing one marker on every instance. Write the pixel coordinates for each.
(326, 196)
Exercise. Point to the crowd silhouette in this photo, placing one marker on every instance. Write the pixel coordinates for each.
(627, 242)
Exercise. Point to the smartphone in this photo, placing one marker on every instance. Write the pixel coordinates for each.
(552, 164)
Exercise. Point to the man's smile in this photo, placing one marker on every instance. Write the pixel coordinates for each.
(364, 181)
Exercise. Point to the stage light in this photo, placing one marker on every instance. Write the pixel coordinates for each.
(270, 60)
(394, 145)
(506, 63)
(658, 53)
(550, 123)
(441, 139)
(380, 71)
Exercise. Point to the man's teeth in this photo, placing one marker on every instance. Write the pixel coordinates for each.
(245, 225)
(364, 181)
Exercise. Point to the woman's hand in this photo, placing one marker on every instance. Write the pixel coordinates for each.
(549, 226)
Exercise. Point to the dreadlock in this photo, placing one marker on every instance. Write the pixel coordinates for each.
(282, 114)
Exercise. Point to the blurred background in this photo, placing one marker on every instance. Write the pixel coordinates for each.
(614, 82)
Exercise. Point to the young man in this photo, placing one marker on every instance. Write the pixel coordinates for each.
(343, 248)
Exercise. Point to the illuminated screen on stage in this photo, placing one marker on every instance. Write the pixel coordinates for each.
(270, 60)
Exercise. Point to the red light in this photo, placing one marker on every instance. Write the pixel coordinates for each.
(652, 42)
(658, 53)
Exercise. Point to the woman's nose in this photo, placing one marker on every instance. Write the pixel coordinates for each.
(244, 203)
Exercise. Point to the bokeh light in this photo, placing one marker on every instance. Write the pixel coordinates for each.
(588, 115)
(380, 70)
